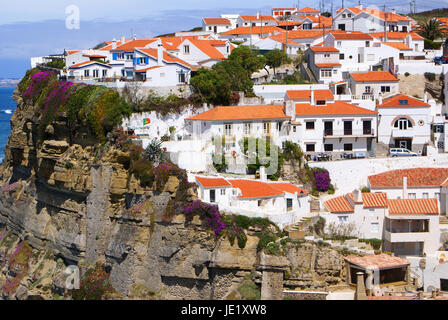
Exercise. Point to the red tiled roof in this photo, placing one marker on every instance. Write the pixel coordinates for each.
(374, 200)
(285, 23)
(327, 65)
(281, 38)
(241, 113)
(394, 102)
(207, 47)
(350, 35)
(336, 108)
(255, 18)
(416, 177)
(304, 34)
(373, 76)
(324, 49)
(216, 21)
(167, 57)
(396, 35)
(321, 94)
(110, 44)
(380, 261)
(308, 9)
(85, 63)
(255, 30)
(131, 45)
(213, 182)
(69, 52)
(255, 189)
(397, 45)
(413, 206)
(287, 187)
(93, 56)
(339, 205)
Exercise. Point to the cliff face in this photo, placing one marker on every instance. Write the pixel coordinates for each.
(67, 200)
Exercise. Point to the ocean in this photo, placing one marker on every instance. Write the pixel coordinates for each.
(7, 107)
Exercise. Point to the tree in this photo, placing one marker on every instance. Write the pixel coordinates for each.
(275, 58)
(326, 14)
(432, 29)
(249, 59)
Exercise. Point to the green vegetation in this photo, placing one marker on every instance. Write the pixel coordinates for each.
(430, 76)
(262, 156)
(275, 58)
(375, 243)
(56, 63)
(217, 84)
(249, 290)
(432, 29)
(432, 45)
(365, 190)
(292, 151)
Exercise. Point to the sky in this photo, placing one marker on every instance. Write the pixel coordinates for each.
(31, 28)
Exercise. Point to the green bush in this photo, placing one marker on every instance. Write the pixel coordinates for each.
(375, 243)
(331, 189)
(249, 290)
(432, 45)
(365, 190)
(430, 76)
(406, 74)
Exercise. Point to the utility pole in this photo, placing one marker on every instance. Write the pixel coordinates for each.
(261, 26)
(415, 11)
(286, 36)
(410, 7)
(385, 24)
(342, 4)
(250, 33)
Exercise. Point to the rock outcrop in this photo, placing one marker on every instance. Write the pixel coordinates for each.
(69, 200)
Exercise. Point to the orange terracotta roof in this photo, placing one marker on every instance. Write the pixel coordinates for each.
(69, 52)
(339, 205)
(327, 65)
(373, 76)
(255, 18)
(397, 45)
(336, 108)
(308, 9)
(217, 21)
(213, 182)
(321, 94)
(131, 45)
(380, 261)
(167, 57)
(85, 63)
(146, 69)
(110, 44)
(285, 23)
(206, 47)
(287, 187)
(93, 56)
(350, 35)
(396, 35)
(374, 200)
(413, 206)
(304, 34)
(255, 30)
(394, 102)
(336, 83)
(241, 113)
(324, 49)
(255, 189)
(284, 8)
(281, 38)
(416, 177)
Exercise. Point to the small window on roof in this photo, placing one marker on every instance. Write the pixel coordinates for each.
(403, 102)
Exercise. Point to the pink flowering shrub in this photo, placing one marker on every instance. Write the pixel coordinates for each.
(18, 263)
(208, 213)
(38, 82)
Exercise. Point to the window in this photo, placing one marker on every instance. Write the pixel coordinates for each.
(437, 128)
(86, 73)
(344, 16)
(187, 49)
(425, 195)
(279, 126)
(288, 204)
(120, 56)
(341, 56)
(212, 195)
(293, 128)
(328, 147)
(309, 125)
(403, 124)
(367, 43)
(343, 218)
(339, 43)
(247, 127)
(325, 73)
(349, 15)
(326, 55)
(181, 77)
(141, 60)
(385, 88)
(228, 129)
(96, 73)
(104, 73)
(210, 28)
(348, 127)
(266, 127)
(320, 102)
(368, 89)
(412, 195)
(223, 192)
(310, 147)
(130, 57)
(374, 227)
(348, 147)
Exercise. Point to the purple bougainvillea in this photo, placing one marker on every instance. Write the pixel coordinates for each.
(322, 179)
(209, 213)
(38, 81)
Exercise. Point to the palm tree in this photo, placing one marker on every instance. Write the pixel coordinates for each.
(432, 29)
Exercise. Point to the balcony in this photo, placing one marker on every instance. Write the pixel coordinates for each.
(397, 133)
(405, 236)
(348, 133)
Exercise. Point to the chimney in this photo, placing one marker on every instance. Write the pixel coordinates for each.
(356, 195)
(405, 187)
(122, 39)
(360, 293)
(114, 43)
(159, 53)
(425, 99)
(312, 102)
(135, 36)
(380, 99)
(263, 176)
(258, 15)
(393, 11)
(360, 6)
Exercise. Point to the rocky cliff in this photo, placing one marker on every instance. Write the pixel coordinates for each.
(70, 200)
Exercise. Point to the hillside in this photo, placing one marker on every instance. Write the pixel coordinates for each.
(425, 15)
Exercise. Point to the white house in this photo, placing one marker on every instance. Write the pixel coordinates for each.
(280, 202)
(324, 63)
(279, 13)
(204, 53)
(408, 227)
(278, 42)
(404, 122)
(253, 33)
(307, 11)
(306, 37)
(370, 20)
(321, 124)
(373, 84)
(256, 21)
(216, 25)
(411, 40)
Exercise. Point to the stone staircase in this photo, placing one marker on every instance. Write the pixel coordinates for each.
(381, 149)
(443, 219)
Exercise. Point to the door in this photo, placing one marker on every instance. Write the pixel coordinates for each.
(367, 127)
(347, 128)
(215, 29)
(212, 195)
(328, 128)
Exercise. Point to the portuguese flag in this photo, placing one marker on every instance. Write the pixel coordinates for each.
(146, 121)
